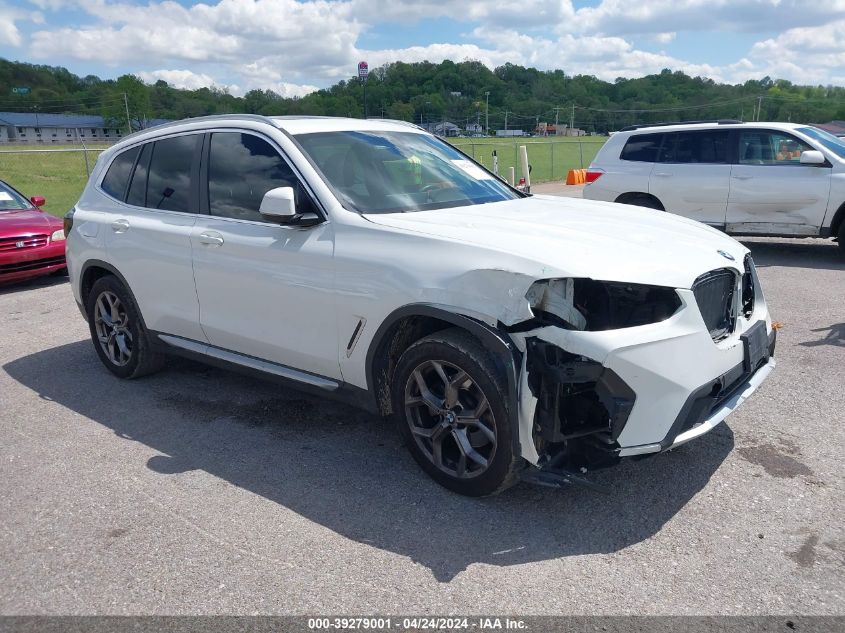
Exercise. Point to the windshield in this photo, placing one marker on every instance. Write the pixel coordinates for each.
(11, 199)
(831, 142)
(389, 172)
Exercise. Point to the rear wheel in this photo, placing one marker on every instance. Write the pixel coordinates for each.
(841, 238)
(448, 401)
(119, 335)
(641, 200)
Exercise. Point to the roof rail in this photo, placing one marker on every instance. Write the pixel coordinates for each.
(666, 124)
(199, 119)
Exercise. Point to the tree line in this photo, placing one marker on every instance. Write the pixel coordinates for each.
(463, 93)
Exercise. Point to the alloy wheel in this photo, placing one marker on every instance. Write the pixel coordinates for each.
(111, 324)
(450, 419)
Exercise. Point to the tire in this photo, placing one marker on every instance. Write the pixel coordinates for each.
(841, 239)
(125, 349)
(647, 202)
(463, 445)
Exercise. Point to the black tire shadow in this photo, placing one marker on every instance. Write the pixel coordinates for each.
(346, 469)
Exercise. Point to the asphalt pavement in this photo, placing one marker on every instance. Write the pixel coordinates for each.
(199, 491)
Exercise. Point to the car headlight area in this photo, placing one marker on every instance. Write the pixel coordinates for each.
(614, 370)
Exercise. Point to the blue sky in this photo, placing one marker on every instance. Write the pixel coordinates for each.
(296, 46)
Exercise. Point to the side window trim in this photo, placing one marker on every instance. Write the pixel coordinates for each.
(131, 172)
(142, 149)
(194, 186)
(203, 174)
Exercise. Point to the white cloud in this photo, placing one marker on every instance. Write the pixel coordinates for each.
(186, 79)
(623, 17)
(528, 13)
(664, 38)
(9, 32)
(804, 55)
(291, 46)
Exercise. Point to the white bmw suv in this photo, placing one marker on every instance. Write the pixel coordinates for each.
(770, 179)
(508, 335)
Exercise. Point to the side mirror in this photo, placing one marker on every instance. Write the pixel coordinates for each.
(279, 204)
(813, 157)
(38, 201)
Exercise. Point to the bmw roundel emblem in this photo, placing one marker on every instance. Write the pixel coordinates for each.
(726, 255)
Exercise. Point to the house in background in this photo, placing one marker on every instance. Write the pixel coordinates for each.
(28, 128)
(445, 128)
(837, 128)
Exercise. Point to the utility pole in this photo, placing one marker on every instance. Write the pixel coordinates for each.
(487, 114)
(128, 122)
(759, 106)
(572, 121)
(557, 113)
(506, 119)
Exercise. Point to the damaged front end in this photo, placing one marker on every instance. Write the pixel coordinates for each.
(572, 407)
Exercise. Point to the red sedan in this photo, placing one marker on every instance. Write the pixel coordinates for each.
(32, 243)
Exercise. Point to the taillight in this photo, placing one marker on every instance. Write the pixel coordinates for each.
(593, 175)
(68, 221)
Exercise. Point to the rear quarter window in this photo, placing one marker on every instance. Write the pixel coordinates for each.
(642, 148)
(117, 177)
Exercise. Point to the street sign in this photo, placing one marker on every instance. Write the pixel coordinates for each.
(363, 70)
(21, 90)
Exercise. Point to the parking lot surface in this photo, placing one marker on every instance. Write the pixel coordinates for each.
(198, 491)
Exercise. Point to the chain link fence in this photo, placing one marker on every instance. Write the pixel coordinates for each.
(549, 160)
(57, 173)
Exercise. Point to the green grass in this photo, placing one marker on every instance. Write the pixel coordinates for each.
(61, 176)
(550, 157)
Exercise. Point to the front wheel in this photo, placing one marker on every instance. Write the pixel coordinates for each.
(841, 238)
(447, 396)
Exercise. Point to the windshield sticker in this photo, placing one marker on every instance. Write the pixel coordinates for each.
(5, 196)
(472, 169)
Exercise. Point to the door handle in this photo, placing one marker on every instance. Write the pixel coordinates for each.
(120, 226)
(211, 239)
(741, 177)
(662, 174)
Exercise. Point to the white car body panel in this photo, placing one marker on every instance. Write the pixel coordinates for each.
(236, 285)
(312, 299)
(787, 200)
(692, 191)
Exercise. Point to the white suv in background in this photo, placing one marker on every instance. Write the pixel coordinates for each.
(508, 335)
(772, 179)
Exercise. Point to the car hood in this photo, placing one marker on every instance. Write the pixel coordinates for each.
(26, 221)
(583, 238)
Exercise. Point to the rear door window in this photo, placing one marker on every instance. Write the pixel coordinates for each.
(169, 177)
(702, 147)
(642, 148)
(117, 177)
